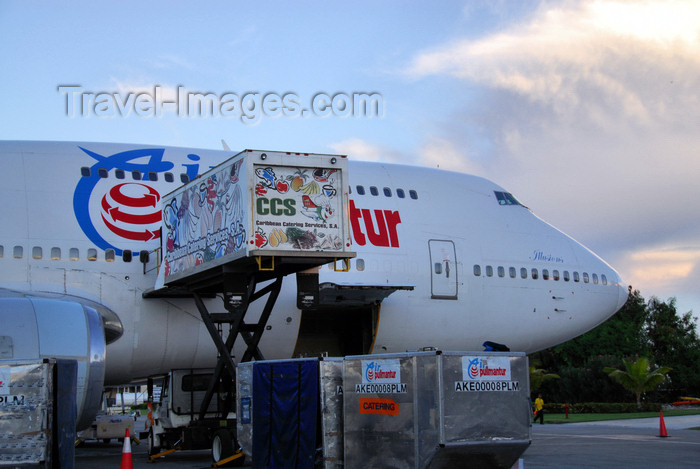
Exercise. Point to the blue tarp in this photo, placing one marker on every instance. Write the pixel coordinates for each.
(285, 412)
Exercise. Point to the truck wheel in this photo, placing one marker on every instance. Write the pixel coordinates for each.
(153, 443)
(222, 447)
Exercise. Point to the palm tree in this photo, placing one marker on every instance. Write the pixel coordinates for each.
(539, 376)
(638, 377)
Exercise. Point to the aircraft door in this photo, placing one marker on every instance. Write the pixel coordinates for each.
(443, 269)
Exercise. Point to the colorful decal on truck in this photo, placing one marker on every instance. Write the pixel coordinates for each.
(205, 221)
(297, 208)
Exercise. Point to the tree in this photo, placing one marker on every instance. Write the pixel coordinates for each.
(539, 376)
(673, 340)
(638, 377)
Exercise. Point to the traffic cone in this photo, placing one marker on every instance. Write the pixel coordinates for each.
(662, 426)
(127, 463)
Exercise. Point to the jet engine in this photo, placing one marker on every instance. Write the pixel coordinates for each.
(36, 326)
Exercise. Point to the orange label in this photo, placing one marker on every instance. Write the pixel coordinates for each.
(379, 406)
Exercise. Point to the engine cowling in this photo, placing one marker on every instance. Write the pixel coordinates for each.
(35, 327)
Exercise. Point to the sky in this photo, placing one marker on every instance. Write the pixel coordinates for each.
(587, 111)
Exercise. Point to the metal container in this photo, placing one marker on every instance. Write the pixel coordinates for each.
(434, 409)
(244, 406)
(331, 401)
(279, 412)
(26, 412)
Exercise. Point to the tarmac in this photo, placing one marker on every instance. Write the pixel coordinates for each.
(620, 444)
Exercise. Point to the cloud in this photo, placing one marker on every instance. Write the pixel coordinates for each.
(359, 149)
(588, 112)
(629, 56)
(444, 154)
(166, 91)
(170, 61)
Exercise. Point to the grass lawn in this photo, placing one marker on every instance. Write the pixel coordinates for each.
(573, 418)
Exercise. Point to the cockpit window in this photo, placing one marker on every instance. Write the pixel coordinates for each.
(506, 198)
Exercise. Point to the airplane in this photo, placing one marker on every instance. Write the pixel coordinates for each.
(443, 259)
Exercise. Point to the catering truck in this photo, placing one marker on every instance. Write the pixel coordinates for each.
(256, 217)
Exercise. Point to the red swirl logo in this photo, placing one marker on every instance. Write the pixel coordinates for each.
(130, 210)
(473, 370)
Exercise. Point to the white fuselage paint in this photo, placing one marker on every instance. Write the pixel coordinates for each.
(455, 221)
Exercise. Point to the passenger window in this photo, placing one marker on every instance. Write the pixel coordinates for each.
(2, 251)
(74, 254)
(604, 279)
(585, 277)
(102, 172)
(360, 190)
(413, 194)
(501, 271)
(438, 268)
(37, 252)
(387, 192)
(489, 271)
(360, 264)
(92, 254)
(184, 178)
(152, 176)
(477, 270)
(119, 174)
(545, 274)
(595, 279)
(169, 177)
(523, 272)
(373, 190)
(511, 272)
(85, 172)
(400, 193)
(126, 255)
(577, 277)
(56, 253)
(555, 275)
(109, 255)
(535, 275)
(18, 252)
(566, 276)
(136, 175)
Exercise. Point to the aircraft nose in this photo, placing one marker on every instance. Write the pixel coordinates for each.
(622, 292)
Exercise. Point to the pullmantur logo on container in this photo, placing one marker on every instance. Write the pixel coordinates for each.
(250, 107)
(486, 374)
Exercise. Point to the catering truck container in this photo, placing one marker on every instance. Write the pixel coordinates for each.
(257, 205)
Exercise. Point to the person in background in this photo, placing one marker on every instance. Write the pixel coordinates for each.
(539, 410)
